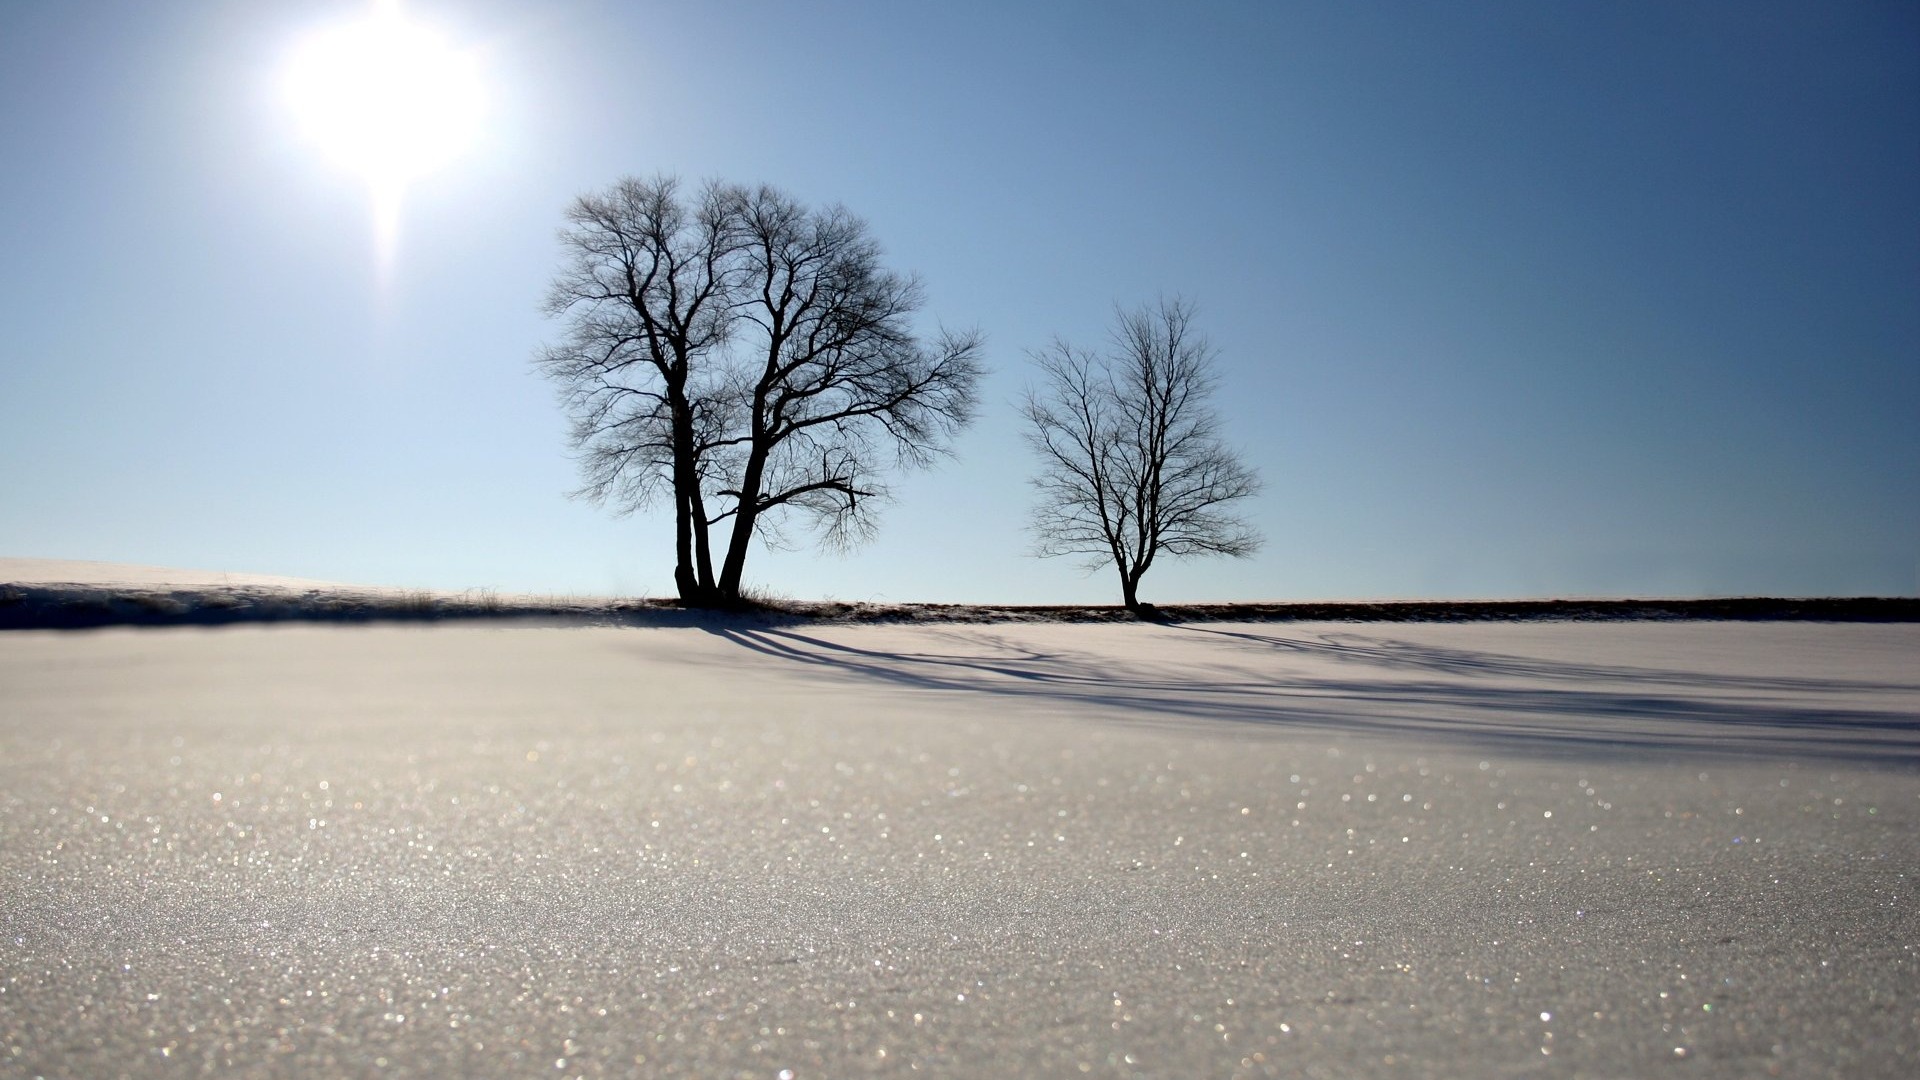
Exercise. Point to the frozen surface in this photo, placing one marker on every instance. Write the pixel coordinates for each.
(1594, 849)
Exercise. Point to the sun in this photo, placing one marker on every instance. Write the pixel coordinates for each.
(385, 97)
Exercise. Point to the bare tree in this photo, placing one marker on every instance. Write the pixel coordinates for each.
(752, 357)
(647, 287)
(1132, 463)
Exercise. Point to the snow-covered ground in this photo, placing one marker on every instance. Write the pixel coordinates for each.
(485, 849)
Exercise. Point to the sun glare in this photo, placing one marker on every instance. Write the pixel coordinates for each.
(388, 98)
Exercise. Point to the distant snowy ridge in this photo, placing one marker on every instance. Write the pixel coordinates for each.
(38, 594)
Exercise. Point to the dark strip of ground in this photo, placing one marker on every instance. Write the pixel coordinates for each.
(71, 607)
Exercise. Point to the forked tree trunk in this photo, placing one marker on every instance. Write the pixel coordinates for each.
(693, 562)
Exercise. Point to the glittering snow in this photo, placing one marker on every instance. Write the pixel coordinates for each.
(1121, 850)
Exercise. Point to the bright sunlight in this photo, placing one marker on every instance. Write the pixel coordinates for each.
(388, 98)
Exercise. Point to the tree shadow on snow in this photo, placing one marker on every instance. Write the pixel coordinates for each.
(1450, 695)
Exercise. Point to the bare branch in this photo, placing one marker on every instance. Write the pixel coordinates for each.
(1131, 463)
(749, 356)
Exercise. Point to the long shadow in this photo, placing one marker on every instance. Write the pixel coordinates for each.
(1732, 715)
(1407, 655)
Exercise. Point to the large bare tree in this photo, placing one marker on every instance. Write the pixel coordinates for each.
(752, 357)
(1132, 465)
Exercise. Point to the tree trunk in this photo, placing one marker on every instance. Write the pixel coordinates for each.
(1129, 591)
(683, 579)
(693, 573)
(745, 517)
(702, 547)
(746, 514)
(693, 568)
(744, 520)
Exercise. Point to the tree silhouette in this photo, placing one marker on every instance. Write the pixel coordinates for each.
(751, 356)
(1132, 466)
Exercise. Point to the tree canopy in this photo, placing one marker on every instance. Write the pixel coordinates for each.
(1132, 465)
(752, 359)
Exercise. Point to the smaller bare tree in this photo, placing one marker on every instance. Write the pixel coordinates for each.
(1132, 463)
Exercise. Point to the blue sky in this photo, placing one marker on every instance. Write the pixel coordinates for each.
(1511, 299)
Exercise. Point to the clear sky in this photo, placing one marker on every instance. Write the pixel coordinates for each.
(1511, 299)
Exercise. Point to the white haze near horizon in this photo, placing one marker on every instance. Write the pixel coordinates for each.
(24, 571)
(1509, 301)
